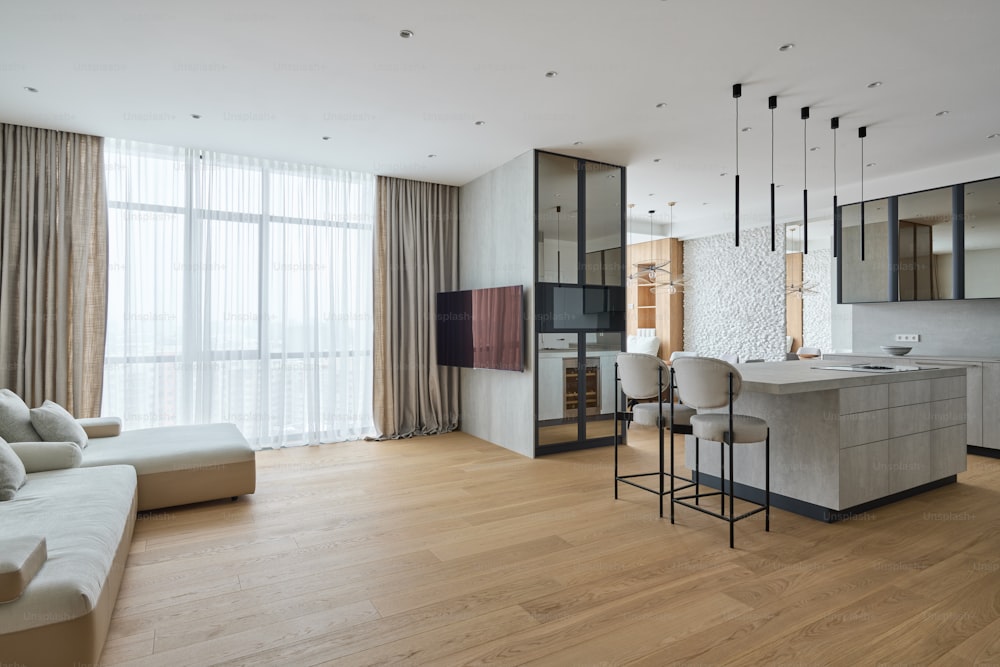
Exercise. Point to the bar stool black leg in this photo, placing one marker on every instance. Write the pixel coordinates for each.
(732, 484)
(767, 482)
(697, 473)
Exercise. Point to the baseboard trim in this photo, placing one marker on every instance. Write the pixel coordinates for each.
(819, 512)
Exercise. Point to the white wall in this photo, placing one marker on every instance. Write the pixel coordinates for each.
(817, 330)
(496, 248)
(735, 300)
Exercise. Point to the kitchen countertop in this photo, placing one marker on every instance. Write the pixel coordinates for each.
(796, 377)
(915, 355)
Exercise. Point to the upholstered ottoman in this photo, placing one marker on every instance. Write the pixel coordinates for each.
(177, 465)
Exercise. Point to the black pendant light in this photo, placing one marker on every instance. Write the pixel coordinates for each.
(834, 124)
(737, 93)
(862, 133)
(558, 245)
(772, 104)
(805, 181)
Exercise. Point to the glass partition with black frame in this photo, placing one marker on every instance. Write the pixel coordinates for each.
(579, 300)
(931, 245)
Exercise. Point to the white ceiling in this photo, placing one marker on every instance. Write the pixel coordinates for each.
(271, 79)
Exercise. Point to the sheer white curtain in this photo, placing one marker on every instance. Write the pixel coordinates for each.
(239, 290)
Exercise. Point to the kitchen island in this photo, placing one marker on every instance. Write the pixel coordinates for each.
(845, 441)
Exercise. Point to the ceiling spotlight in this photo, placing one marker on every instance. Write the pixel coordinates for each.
(945, 112)
(786, 47)
(661, 105)
(326, 138)
(725, 173)
(577, 143)
(656, 159)
(431, 155)
(406, 34)
(874, 84)
(480, 122)
(30, 89)
(870, 164)
(196, 116)
(995, 135)
(745, 129)
(813, 149)
(551, 74)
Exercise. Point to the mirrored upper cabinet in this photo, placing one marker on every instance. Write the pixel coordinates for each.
(864, 280)
(982, 239)
(925, 263)
(931, 245)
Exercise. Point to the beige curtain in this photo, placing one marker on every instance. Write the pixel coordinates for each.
(416, 256)
(53, 281)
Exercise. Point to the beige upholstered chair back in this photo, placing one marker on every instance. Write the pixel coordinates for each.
(640, 374)
(703, 382)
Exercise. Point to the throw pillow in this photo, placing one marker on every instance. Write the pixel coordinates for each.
(12, 475)
(15, 419)
(643, 345)
(54, 424)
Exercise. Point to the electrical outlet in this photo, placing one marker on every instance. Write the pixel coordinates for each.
(907, 338)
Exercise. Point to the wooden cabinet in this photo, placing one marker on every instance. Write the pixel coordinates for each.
(659, 310)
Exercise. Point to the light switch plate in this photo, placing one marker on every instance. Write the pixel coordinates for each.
(907, 338)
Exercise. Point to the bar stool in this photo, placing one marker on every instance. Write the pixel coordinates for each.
(704, 384)
(642, 377)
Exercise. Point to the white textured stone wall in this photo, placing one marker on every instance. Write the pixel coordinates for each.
(735, 300)
(817, 327)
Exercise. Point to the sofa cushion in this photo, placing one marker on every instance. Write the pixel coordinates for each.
(100, 427)
(21, 557)
(15, 419)
(42, 456)
(55, 424)
(12, 474)
(84, 514)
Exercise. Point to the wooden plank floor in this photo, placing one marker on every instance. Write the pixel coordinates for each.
(447, 550)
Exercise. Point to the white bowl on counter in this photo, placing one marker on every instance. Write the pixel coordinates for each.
(895, 350)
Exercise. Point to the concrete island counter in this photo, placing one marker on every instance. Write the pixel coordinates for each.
(845, 441)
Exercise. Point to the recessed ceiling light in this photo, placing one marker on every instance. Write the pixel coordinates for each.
(656, 159)
(780, 185)
(704, 203)
(874, 84)
(577, 143)
(786, 47)
(725, 173)
(871, 164)
(196, 116)
(651, 194)
(480, 122)
(993, 136)
(406, 34)
(551, 74)
(326, 138)
(944, 112)
(30, 89)
(813, 149)
(661, 105)
(745, 129)
(431, 155)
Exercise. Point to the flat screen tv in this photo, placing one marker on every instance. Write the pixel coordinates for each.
(569, 308)
(482, 328)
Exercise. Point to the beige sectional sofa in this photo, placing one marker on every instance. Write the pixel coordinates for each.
(83, 504)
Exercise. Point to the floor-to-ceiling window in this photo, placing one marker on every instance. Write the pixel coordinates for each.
(239, 290)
